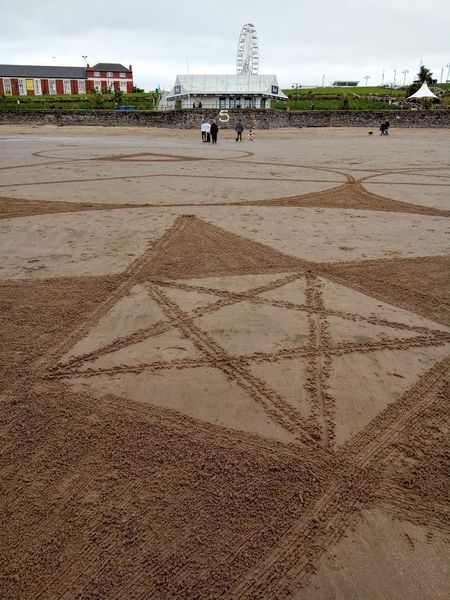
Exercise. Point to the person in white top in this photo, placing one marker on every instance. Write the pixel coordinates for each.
(208, 131)
(203, 130)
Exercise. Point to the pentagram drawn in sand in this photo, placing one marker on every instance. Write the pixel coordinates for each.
(232, 332)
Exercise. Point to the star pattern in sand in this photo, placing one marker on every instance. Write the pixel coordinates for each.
(274, 347)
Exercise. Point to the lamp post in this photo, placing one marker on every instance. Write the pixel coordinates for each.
(84, 57)
(382, 78)
(395, 77)
(448, 70)
(405, 71)
(367, 77)
(323, 80)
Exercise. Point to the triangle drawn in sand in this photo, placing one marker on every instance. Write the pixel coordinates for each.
(235, 284)
(132, 312)
(171, 345)
(350, 195)
(194, 248)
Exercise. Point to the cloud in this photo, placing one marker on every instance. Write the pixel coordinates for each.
(299, 41)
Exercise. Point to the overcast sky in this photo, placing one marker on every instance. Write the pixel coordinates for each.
(301, 42)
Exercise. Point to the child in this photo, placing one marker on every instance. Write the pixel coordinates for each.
(251, 135)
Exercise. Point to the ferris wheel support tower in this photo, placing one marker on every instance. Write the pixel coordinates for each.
(247, 60)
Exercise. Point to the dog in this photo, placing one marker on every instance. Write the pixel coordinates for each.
(370, 132)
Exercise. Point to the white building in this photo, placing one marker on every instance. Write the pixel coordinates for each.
(224, 91)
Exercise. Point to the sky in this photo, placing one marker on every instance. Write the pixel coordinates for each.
(303, 43)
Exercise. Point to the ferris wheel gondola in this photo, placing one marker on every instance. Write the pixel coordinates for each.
(247, 61)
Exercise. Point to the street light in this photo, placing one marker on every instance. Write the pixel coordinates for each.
(323, 80)
(395, 77)
(296, 86)
(84, 57)
(448, 71)
(382, 78)
(367, 77)
(405, 71)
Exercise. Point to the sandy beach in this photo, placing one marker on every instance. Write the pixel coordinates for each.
(225, 369)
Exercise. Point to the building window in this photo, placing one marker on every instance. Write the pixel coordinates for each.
(22, 87)
(110, 74)
(123, 75)
(37, 87)
(66, 85)
(7, 87)
(222, 102)
(81, 86)
(96, 73)
(52, 87)
(248, 102)
(97, 85)
(232, 103)
(123, 86)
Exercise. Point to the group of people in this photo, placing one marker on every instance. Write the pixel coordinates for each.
(209, 130)
(384, 128)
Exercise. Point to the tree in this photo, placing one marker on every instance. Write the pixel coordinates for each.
(423, 76)
(137, 90)
(117, 97)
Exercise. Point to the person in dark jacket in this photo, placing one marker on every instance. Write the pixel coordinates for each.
(384, 127)
(214, 132)
(239, 128)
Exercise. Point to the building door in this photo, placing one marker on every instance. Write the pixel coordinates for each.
(263, 103)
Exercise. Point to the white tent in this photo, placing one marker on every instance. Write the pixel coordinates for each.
(423, 92)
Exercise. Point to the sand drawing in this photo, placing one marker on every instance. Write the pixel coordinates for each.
(214, 420)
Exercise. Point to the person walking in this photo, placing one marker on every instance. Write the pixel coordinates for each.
(384, 127)
(239, 128)
(214, 132)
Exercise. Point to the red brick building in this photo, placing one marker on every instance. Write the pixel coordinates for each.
(33, 80)
(109, 76)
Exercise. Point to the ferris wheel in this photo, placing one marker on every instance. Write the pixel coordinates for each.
(247, 61)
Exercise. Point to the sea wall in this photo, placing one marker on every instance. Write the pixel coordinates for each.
(257, 119)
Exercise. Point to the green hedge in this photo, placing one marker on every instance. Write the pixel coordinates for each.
(88, 101)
